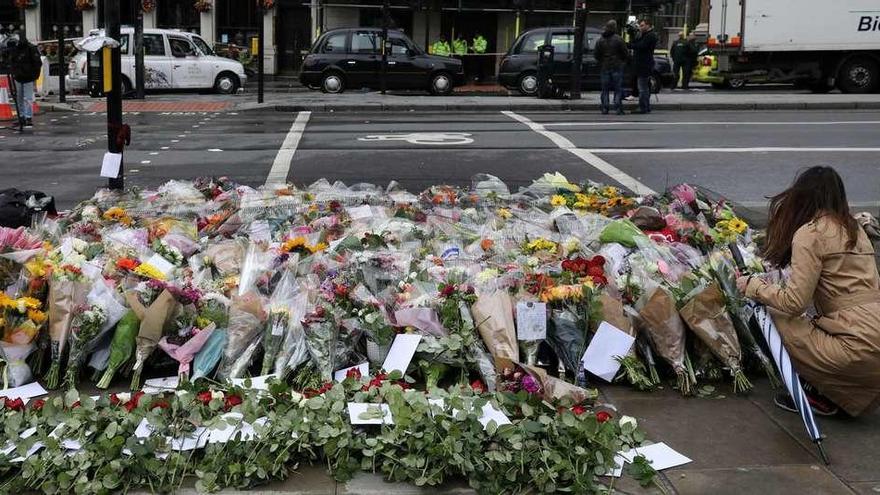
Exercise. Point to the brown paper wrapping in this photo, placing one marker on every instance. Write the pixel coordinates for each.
(153, 321)
(613, 313)
(706, 316)
(663, 324)
(493, 314)
(64, 298)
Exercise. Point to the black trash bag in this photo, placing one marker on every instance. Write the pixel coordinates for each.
(18, 207)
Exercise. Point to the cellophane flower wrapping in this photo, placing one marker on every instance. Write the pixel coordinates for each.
(279, 319)
(246, 319)
(184, 353)
(210, 354)
(16, 372)
(294, 351)
(122, 346)
(65, 296)
(566, 334)
(85, 329)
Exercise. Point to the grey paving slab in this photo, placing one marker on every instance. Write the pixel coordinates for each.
(716, 433)
(371, 484)
(776, 480)
(866, 488)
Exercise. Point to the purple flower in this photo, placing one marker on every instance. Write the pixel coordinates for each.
(530, 385)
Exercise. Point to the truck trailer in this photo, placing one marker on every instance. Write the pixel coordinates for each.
(817, 44)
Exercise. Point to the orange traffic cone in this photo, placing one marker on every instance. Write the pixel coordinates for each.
(5, 107)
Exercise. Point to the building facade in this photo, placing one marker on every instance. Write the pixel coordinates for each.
(292, 25)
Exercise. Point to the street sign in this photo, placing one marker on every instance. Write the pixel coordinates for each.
(426, 138)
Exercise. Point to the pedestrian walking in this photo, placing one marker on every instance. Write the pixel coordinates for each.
(612, 55)
(690, 64)
(25, 65)
(643, 61)
(831, 260)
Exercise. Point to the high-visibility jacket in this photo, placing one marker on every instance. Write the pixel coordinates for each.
(479, 45)
(441, 48)
(459, 46)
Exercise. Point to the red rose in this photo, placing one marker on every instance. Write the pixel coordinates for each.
(447, 290)
(114, 400)
(340, 290)
(75, 405)
(37, 405)
(335, 206)
(14, 404)
(160, 403)
(602, 416)
(578, 410)
(478, 387)
(596, 271)
(600, 280)
(204, 397)
(232, 401)
(597, 260)
(133, 403)
(354, 374)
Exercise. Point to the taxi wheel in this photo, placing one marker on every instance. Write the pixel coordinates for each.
(441, 84)
(528, 84)
(226, 83)
(333, 83)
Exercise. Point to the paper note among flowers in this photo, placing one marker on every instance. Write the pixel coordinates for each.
(257, 382)
(607, 345)
(159, 385)
(488, 413)
(111, 164)
(24, 392)
(361, 413)
(401, 353)
(161, 264)
(659, 455)
(531, 320)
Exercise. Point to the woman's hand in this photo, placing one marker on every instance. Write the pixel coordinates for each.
(742, 284)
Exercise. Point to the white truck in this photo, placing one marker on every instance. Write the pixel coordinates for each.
(819, 44)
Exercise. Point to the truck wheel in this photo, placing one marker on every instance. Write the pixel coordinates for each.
(858, 75)
(736, 83)
(528, 84)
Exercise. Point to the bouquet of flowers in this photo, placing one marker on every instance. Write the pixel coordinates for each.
(122, 346)
(185, 345)
(85, 328)
(246, 317)
(66, 294)
(294, 351)
(153, 319)
(278, 321)
(666, 330)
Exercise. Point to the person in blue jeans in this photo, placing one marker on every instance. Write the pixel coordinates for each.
(25, 64)
(612, 55)
(643, 61)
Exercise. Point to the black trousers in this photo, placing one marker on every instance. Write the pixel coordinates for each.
(684, 71)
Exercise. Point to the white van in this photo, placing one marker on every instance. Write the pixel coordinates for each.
(172, 60)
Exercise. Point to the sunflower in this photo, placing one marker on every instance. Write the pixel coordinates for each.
(558, 200)
(737, 225)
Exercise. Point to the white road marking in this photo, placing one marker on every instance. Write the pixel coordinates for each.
(428, 138)
(766, 149)
(215, 150)
(281, 165)
(154, 153)
(175, 140)
(586, 155)
(145, 162)
(166, 147)
(648, 122)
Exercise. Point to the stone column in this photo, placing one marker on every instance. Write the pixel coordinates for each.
(150, 20)
(208, 26)
(270, 47)
(32, 23)
(90, 20)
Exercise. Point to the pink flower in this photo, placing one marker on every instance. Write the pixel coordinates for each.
(685, 193)
(530, 385)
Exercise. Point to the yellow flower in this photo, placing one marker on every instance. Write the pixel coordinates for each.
(317, 247)
(504, 213)
(737, 225)
(6, 301)
(293, 243)
(149, 271)
(540, 244)
(610, 191)
(117, 214)
(36, 268)
(558, 200)
(37, 316)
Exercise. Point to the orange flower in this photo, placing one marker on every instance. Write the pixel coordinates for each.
(487, 244)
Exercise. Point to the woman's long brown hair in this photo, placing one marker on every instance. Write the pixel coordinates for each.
(816, 191)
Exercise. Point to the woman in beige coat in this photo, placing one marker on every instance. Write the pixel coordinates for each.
(832, 267)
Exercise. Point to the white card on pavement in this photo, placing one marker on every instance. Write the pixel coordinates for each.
(401, 353)
(659, 455)
(159, 385)
(257, 382)
(607, 345)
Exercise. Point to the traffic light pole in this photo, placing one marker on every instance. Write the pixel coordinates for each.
(139, 50)
(577, 57)
(62, 71)
(383, 75)
(261, 12)
(114, 97)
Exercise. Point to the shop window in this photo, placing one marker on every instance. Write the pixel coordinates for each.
(55, 15)
(236, 21)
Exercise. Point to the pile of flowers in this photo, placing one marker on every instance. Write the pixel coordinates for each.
(216, 282)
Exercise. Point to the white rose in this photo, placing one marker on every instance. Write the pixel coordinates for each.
(628, 420)
(532, 261)
(216, 394)
(297, 397)
(123, 396)
(371, 318)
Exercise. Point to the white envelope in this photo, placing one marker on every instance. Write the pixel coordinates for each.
(659, 455)
(24, 392)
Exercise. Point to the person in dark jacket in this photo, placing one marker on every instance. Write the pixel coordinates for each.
(643, 62)
(25, 64)
(612, 55)
(680, 53)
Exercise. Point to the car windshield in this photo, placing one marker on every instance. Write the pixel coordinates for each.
(202, 46)
(531, 42)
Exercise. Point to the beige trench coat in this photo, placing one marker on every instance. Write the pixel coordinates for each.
(838, 352)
